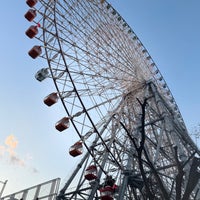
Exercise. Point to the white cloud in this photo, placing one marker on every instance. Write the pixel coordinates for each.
(2, 150)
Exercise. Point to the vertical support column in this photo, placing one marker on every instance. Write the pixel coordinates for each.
(37, 191)
(24, 194)
(124, 183)
(2, 189)
(96, 185)
(123, 187)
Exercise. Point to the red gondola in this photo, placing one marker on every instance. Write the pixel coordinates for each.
(31, 3)
(32, 31)
(51, 99)
(62, 124)
(91, 172)
(35, 51)
(30, 15)
(76, 149)
(106, 193)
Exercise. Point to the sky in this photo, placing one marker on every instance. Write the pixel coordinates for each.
(31, 150)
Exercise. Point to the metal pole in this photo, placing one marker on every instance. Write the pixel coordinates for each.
(2, 189)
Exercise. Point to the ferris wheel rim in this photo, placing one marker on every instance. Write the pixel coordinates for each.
(156, 81)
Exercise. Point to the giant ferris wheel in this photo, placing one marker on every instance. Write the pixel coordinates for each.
(135, 142)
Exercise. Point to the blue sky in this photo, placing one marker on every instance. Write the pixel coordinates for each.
(31, 150)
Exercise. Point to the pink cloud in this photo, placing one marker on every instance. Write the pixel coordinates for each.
(11, 141)
(9, 154)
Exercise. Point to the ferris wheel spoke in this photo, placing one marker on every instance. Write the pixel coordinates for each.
(101, 45)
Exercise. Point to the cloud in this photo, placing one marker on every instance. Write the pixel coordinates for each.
(2, 150)
(11, 141)
(9, 153)
(16, 160)
(34, 170)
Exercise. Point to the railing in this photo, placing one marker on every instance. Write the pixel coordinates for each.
(44, 191)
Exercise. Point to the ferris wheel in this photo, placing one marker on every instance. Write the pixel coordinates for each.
(132, 139)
